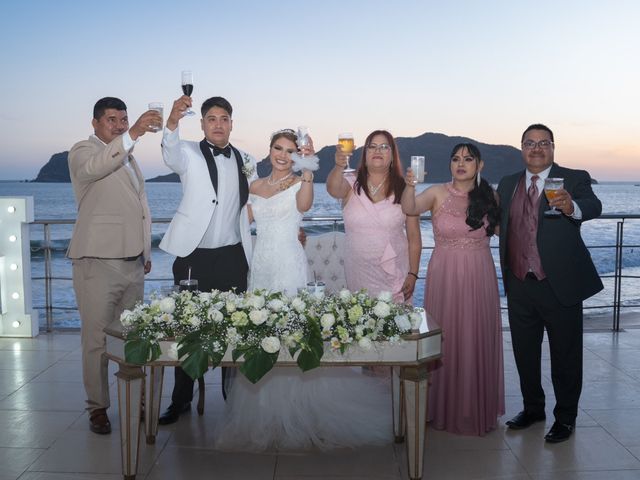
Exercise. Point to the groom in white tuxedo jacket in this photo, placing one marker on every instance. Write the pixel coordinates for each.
(209, 233)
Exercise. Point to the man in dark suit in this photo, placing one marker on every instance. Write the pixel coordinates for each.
(547, 273)
(209, 234)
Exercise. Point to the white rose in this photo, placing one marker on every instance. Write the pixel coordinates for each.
(416, 319)
(327, 320)
(232, 336)
(257, 301)
(364, 343)
(172, 353)
(231, 307)
(258, 317)
(345, 295)
(126, 318)
(167, 305)
(270, 344)
(403, 323)
(166, 318)
(385, 296)
(205, 296)
(381, 309)
(359, 330)
(298, 305)
(215, 315)
(276, 305)
(195, 321)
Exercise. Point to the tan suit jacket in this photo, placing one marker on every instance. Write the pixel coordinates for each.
(113, 216)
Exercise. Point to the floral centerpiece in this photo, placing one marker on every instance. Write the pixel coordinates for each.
(257, 325)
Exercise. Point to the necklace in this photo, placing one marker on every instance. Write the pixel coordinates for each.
(273, 183)
(373, 190)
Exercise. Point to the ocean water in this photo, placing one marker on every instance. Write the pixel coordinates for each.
(56, 201)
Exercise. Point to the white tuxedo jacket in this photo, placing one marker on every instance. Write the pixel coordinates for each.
(199, 201)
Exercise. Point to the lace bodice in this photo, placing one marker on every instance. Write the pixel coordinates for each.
(449, 223)
(279, 261)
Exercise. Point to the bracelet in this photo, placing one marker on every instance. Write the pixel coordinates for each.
(414, 274)
(308, 181)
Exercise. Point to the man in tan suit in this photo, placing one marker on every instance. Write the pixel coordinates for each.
(111, 242)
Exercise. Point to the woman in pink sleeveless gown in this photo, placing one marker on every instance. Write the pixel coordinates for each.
(467, 391)
(383, 245)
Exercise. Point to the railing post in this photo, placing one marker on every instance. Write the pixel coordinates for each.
(48, 287)
(617, 276)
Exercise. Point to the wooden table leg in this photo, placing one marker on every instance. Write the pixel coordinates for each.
(153, 393)
(130, 380)
(415, 384)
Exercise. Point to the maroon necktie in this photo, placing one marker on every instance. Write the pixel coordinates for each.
(532, 191)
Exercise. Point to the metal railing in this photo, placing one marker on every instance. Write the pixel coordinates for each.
(336, 223)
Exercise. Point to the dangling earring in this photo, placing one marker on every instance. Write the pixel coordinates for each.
(478, 179)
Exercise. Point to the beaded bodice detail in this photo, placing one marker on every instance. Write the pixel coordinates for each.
(450, 229)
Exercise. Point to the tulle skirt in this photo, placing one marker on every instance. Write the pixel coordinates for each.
(323, 408)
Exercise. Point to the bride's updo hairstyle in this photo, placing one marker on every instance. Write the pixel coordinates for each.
(482, 200)
(284, 133)
(395, 180)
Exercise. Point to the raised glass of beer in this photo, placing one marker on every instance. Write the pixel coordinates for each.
(346, 142)
(551, 187)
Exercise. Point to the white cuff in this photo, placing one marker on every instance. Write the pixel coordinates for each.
(577, 213)
(128, 142)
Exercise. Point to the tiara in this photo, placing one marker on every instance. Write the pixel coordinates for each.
(284, 130)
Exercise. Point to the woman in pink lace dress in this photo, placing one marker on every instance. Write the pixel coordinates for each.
(383, 245)
(467, 391)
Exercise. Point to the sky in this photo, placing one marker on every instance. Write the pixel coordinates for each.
(479, 69)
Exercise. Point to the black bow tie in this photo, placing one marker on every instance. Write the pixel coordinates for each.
(226, 151)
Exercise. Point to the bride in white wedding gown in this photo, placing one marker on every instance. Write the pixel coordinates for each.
(288, 409)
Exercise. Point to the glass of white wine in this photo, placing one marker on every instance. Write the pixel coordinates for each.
(345, 140)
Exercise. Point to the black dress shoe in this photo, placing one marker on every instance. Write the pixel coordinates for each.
(559, 432)
(172, 413)
(99, 422)
(525, 419)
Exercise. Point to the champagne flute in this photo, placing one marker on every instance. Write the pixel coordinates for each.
(187, 88)
(346, 142)
(303, 137)
(551, 187)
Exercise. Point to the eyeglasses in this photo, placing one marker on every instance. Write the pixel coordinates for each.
(530, 144)
(383, 147)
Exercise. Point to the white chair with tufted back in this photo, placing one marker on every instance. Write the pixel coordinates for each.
(325, 257)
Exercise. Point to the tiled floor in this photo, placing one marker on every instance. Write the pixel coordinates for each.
(44, 431)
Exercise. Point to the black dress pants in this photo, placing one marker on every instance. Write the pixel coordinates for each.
(221, 268)
(533, 307)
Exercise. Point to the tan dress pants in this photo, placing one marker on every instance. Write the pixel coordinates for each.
(104, 288)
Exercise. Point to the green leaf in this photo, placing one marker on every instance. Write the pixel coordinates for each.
(294, 350)
(196, 364)
(257, 363)
(312, 348)
(193, 348)
(137, 351)
(236, 354)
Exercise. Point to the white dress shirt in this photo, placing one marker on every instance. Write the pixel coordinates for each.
(224, 227)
